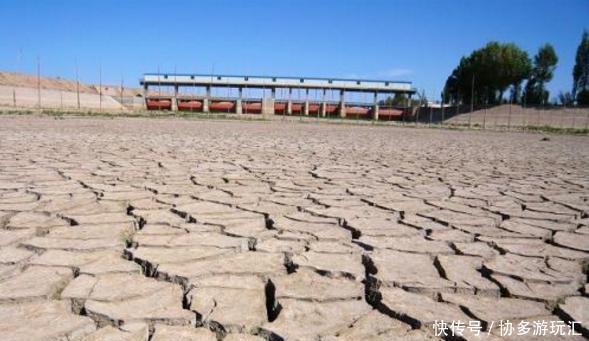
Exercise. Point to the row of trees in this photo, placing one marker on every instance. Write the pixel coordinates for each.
(581, 72)
(488, 73)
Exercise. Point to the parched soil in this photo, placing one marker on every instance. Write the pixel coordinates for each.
(167, 229)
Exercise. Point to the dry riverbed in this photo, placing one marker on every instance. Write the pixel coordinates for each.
(169, 228)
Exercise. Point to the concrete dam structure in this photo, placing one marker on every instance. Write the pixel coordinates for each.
(275, 95)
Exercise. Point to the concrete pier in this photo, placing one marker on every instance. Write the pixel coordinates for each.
(267, 106)
(238, 106)
(239, 102)
(145, 94)
(342, 104)
(375, 107)
(205, 102)
(175, 99)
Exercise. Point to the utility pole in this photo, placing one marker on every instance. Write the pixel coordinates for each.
(175, 99)
(39, 83)
(18, 61)
(423, 103)
(77, 85)
(100, 87)
(431, 110)
(485, 112)
(509, 116)
(122, 88)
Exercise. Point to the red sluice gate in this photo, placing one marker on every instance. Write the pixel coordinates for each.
(280, 107)
(252, 107)
(158, 104)
(314, 108)
(297, 108)
(189, 105)
(389, 114)
(221, 106)
(357, 111)
(331, 109)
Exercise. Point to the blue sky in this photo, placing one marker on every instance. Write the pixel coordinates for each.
(420, 41)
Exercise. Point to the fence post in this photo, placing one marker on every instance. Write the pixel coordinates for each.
(524, 118)
(509, 116)
(471, 102)
(457, 109)
(406, 111)
(442, 121)
(485, 116)
(573, 118)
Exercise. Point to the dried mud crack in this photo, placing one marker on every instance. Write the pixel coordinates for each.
(138, 229)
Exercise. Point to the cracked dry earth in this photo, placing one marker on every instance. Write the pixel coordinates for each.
(145, 229)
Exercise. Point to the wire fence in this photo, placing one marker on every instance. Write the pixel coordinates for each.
(37, 93)
(507, 117)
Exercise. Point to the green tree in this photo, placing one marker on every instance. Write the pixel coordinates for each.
(566, 98)
(494, 68)
(581, 72)
(544, 65)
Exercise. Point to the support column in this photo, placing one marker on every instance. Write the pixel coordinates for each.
(238, 103)
(175, 99)
(324, 105)
(268, 104)
(306, 111)
(145, 92)
(375, 109)
(342, 104)
(205, 101)
(289, 103)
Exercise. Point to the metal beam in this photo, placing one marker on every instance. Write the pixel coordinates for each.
(354, 85)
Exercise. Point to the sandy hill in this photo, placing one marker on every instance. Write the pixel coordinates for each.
(30, 81)
(19, 90)
(503, 115)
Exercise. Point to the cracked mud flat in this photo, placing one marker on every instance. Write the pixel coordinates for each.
(137, 229)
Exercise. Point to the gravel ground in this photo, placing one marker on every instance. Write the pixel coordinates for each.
(174, 229)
